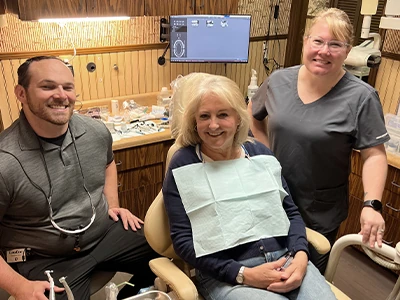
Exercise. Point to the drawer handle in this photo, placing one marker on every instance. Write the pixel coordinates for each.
(395, 184)
(392, 208)
(118, 163)
(119, 184)
(387, 243)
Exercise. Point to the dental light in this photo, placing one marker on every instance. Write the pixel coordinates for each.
(367, 55)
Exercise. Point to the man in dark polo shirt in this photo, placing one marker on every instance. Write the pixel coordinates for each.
(59, 206)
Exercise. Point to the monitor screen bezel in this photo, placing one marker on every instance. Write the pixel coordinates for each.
(173, 60)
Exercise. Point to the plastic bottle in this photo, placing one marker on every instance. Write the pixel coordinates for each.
(163, 97)
(253, 87)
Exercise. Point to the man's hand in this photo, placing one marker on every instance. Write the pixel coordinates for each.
(372, 226)
(126, 217)
(263, 275)
(292, 276)
(34, 290)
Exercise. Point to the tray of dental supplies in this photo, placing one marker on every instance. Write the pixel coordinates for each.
(392, 123)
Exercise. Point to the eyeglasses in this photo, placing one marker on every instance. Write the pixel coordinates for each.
(334, 46)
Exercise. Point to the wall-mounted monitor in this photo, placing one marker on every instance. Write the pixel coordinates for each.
(210, 38)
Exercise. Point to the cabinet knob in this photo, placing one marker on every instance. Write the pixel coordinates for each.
(118, 163)
(395, 184)
(392, 208)
(119, 184)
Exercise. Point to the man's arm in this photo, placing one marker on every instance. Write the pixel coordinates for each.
(373, 177)
(21, 288)
(258, 128)
(111, 192)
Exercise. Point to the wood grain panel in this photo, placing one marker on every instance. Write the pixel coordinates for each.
(121, 65)
(107, 75)
(137, 73)
(387, 85)
(139, 177)
(139, 156)
(352, 223)
(92, 78)
(166, 8)
(38, 9)
(356, 188)
(114, 69)
(139, 200)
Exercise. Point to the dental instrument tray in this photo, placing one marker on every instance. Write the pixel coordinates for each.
(151, 295)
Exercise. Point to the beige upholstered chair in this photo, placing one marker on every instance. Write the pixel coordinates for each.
(173, 274)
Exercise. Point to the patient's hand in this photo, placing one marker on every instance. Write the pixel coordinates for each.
(293, 275)
(263, 275)
(128, 219)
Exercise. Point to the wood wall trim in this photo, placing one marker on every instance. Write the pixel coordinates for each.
(394, 56)
(269, 38)
(298, 16)
(115, 49)
(82, 51)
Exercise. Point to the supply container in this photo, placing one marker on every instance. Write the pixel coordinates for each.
(115, 107)
(163, 97)
(392, 123)
(253, 87)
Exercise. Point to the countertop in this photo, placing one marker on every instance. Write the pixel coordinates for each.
(142, 140)
(393, 160)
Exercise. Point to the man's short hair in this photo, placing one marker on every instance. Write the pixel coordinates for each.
(24, 77)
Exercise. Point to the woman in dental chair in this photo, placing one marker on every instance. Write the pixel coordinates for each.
(230, 212)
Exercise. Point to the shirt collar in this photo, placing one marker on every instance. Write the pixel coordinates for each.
(28, 140)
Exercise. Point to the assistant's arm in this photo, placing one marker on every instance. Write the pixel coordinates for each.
(258, 128)
(374, 174)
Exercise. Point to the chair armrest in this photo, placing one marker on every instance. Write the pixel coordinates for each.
(175, 278)
(338, 293)
(320, 243)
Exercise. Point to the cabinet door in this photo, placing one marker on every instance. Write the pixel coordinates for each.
(168, 8)
(216, 7)
(108, 8)
(39, 9)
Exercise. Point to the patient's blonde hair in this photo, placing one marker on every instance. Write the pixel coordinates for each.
(338, 22)
(190, 90)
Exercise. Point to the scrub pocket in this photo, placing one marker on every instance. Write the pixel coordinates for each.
(329, 207)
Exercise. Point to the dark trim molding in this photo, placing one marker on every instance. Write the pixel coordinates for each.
(269, 38)
(113, 49)
(297, 23)
(81, 51)
(394, 56)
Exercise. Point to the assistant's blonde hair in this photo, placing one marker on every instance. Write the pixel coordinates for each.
(189, 92)
(338, 22)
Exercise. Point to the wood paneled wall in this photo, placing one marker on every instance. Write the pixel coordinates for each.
(387, 84)
(135, 72)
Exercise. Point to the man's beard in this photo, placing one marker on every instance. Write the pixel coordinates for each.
(43, 112)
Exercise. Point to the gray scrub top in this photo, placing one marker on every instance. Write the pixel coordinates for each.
(313, 142)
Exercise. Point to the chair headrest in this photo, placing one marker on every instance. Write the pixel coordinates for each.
(156, 227)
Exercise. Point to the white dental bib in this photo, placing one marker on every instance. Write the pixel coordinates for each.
(232, 202)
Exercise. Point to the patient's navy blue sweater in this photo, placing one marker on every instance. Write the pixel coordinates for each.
(224, 265)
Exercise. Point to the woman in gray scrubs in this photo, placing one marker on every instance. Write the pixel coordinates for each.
(317, 114)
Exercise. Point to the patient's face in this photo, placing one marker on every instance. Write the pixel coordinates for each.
(217, 123)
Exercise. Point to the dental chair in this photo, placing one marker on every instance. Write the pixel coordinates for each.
(387, 256)
(173, 274)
